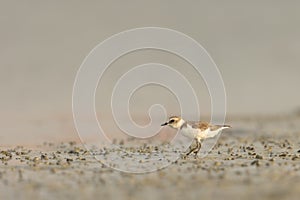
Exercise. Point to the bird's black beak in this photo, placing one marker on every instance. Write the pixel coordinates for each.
(164, 124)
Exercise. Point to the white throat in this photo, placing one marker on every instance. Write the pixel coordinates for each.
(180, 123)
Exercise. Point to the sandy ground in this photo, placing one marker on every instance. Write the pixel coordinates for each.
(256, 46)
(259, 159)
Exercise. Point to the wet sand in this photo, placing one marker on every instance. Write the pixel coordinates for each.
(257, 53)
(258, 159)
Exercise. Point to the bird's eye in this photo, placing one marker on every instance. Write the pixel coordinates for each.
(171, 121)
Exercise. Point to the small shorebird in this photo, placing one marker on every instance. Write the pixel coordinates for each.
(198, 131)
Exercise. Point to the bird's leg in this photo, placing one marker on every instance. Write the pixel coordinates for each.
(198, 148)
(192, 148)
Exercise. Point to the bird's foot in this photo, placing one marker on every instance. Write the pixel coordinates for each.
(184, 156)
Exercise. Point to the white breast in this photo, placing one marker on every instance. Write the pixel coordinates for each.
(190, 132)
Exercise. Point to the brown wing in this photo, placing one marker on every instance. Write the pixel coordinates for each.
(205, 125)
(201, 125)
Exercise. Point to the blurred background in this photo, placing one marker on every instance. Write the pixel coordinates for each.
(255, 45)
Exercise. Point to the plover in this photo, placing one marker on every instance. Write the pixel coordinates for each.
(198, 131)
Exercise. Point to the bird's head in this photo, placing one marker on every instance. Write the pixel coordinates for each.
(174, 122)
